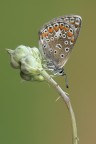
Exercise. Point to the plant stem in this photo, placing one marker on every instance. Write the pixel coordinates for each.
(66, 100)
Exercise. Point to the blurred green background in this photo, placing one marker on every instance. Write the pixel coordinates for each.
(28, 111)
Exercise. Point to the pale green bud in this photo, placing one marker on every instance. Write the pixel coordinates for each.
(29, 61)
(17, 54)
(38, 78)
(28, 77)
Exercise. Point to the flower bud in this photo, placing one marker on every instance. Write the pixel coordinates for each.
(17, 54)
(29, 61)
(31, 64)
(38, 78)
(25, 76)
(13, 63)
(28, 77)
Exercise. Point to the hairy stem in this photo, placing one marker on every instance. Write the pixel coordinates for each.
(66, 100)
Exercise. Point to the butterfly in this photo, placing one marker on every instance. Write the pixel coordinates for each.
(57, 39)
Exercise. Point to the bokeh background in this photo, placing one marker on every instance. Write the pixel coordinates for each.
(28, 111)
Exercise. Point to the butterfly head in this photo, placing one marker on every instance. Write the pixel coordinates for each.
(59, 71)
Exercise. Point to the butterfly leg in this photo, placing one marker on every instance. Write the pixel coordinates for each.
(66, 80)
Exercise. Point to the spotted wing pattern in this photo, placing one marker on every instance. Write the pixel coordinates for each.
(57, 38)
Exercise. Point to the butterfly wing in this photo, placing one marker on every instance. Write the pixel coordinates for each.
(57, 38)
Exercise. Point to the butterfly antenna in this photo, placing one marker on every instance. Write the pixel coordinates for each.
(66, 80)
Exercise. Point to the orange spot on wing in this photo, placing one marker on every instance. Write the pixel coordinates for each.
(50, 30)
(44, 34)
(69, 34)
(56, 28)
(66, 29)
(61, 27)
(72, 39)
